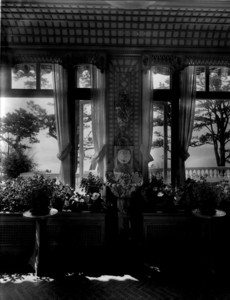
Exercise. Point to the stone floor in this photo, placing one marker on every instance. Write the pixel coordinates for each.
(130, 282)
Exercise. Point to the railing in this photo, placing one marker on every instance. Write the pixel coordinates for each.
(211, 173)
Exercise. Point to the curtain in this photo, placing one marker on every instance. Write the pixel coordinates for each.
(147, 123)
(99, 122)
(186, 117)
(62, 122)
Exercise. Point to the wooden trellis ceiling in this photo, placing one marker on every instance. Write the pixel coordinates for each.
(102, 24)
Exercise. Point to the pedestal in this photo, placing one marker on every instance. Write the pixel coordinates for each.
(209, 238)
(39, 258)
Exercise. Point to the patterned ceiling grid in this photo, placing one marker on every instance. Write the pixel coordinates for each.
(48, 24)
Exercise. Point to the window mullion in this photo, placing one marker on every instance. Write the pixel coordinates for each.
(38, 77)
(207, 79)
(81, 144)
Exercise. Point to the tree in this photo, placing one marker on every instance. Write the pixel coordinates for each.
(17, 126)
(212, 117)
(46, 121)
(16, 163)
(212, 122)
(161, 111)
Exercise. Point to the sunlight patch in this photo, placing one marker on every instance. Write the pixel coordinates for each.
(105, 278)
(18, 278)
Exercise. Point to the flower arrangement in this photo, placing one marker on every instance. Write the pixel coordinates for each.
(79, 202)
(158, 195)
(122, 185)
(76, 203)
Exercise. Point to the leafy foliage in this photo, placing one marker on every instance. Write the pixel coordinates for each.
(15, 163)
(205, 196)
(19, 125)
(91, 184)
(158, 195)
(45, 120)
(18, 195)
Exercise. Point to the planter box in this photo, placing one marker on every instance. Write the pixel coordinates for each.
(167, 236)
(77, 230)
(165, 226)
(68, 236)
(16, 237)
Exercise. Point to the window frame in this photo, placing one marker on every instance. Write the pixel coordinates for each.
(163, 96)
(81, 96)
(9, 92)
(209, 95)
(32, 93)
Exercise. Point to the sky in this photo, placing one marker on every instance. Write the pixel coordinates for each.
(45, 152)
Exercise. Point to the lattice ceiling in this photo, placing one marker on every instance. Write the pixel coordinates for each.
(100, 24)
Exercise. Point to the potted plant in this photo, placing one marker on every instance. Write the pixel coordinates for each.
(76, 203)
(61, 194)
(203, 196)
(158, 196)
(89, 196)
(91, 184)
(36, 193)
(11, 198)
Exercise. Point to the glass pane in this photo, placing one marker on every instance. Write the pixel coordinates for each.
(219, 79)
(161, 141)
(28, 126)
(86, 142)
(46, 81)
(23, 76)
(210, 145)
(200, 79)
(161, 78)
(83, 76)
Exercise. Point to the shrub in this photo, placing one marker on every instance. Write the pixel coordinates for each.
(15, 163)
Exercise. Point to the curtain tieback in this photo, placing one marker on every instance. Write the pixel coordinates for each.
(146, 155)
(184, 154)
(97, 157)
(62, 155)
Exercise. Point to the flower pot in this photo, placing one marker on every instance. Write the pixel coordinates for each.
(40, 206)
(207, 211)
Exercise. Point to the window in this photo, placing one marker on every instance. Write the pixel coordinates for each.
(161, 133)
(161, 78)
(84, 76)
(24, 76)
(161, 140)
(83, 119)
(210, 145)
(27, 120)
(32, 76)
(212, 79)
(46, 82)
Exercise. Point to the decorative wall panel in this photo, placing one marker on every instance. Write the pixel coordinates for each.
(124, 88)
